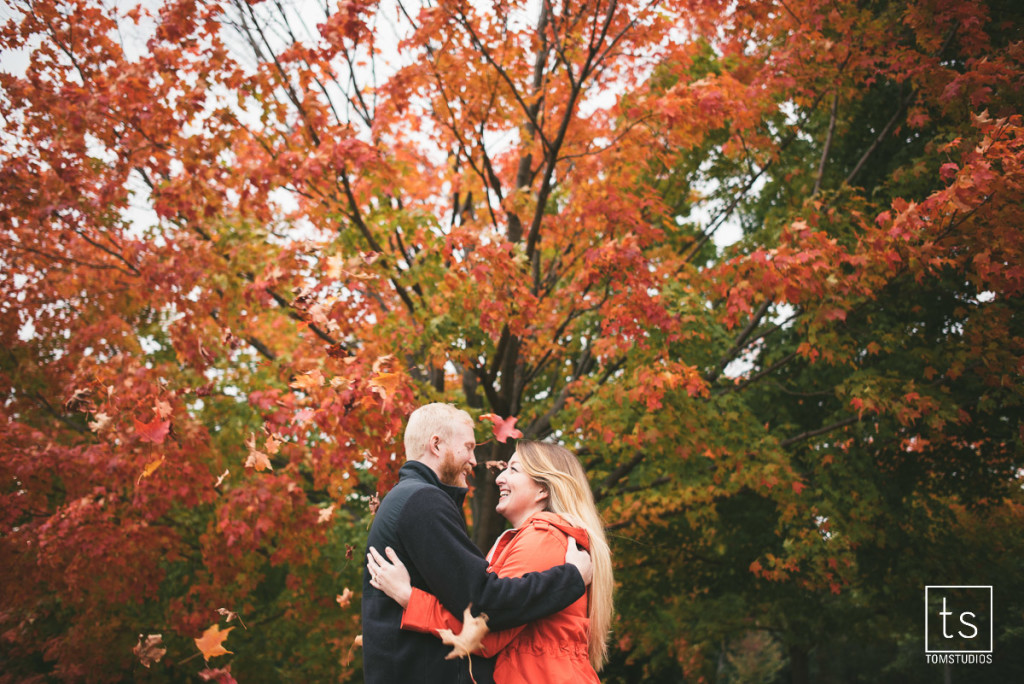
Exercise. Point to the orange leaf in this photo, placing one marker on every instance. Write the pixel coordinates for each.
(257, 459)
(385, 385)
(325, 514)
(212, 642)
(308, 381)
(344, 598)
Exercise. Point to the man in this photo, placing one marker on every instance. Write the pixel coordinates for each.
(421, 519)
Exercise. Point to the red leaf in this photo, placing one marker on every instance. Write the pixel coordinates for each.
(154, 431)
(222, 675)
(503, 427)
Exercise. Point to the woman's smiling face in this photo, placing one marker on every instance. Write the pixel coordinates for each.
(519, 495)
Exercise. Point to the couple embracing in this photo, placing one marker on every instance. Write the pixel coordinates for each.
(548, 601)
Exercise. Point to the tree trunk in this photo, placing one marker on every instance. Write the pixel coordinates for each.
(487, 524)
(799, 665)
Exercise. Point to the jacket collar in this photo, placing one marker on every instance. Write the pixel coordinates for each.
(414, 470)
(542, 520)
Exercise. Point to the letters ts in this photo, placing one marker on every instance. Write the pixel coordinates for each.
(945, 612)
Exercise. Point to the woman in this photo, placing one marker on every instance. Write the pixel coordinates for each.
(545, 495)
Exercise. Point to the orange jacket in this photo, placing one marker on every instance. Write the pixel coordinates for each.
(551, 650)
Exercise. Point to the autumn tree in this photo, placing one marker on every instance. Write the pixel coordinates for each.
(759, 265)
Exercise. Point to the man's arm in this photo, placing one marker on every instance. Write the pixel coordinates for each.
(454, 570)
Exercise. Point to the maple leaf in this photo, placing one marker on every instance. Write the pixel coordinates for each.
(257, 459)
(79, 401)
(374, 504)
(385, 385)
(150, 649)
(496, 465)
(212, 642)
(325, 514)
(154, 431)
(344, 598)
(308, 381)
(273, 444)
(163, 409)
(474, 629)
(503, 427)
(102, 420)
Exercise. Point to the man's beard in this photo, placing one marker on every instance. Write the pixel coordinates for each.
(451, 474)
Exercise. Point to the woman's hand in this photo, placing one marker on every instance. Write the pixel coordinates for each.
(391, 578)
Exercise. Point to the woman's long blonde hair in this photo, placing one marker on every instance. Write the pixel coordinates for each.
(569, 496)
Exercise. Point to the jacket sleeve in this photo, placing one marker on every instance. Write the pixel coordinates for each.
(532, 550)
(453, 569)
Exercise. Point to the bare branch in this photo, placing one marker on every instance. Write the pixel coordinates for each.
(820, 431)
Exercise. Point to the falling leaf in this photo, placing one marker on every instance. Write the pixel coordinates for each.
(384, 364)
(496, 465)
(230, 615)
(79, 401)
(150, 649)
(221, 478)
(272, 445)
(335, 266)
(154, 431)
(150, 469)
(356, 643)
(325, 514)
(308, 381)
(374, 504)
(385, 385)
(344, 598)
(256, 459)
(101, 421)
(163, 409)
(212, 642)
(503, 427)
(222, 675)
(474, 629)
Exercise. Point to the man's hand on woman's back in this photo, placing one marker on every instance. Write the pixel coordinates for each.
(574, 555)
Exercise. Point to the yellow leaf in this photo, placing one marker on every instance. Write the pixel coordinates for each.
(474, 629)
(150, 469)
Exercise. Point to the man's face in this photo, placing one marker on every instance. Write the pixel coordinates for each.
(457, 459)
